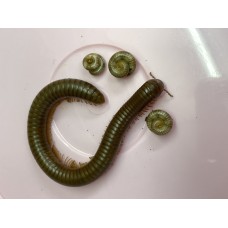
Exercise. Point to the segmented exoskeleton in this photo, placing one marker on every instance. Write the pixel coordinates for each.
(159, 122)
(122, 64)
(94, 63)
(37, 128)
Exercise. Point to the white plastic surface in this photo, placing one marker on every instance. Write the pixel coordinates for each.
(190, 162)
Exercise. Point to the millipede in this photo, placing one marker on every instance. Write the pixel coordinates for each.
(122, 64)
(94, 63)
(43, 106)
(159, 122)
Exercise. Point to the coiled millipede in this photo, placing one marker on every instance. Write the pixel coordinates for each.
(159, 122)
(122, 64)
(94, 63)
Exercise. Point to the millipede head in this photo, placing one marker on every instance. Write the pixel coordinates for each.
(162, 85)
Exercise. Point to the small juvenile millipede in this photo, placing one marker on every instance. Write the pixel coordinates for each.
(159, 122)
(122, 64)
(94, 63)
(38, 123)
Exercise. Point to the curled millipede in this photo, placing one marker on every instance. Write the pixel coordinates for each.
(94, 63)
(122, 64)
(159, 122)
(38, 127)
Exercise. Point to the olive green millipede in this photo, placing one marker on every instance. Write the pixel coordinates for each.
(44, 104)
(159, 122)
(94, 63)
(122, 64)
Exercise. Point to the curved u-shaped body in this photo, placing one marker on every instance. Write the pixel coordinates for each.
(61, 89)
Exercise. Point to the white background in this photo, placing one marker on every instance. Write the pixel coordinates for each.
(190, 162)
